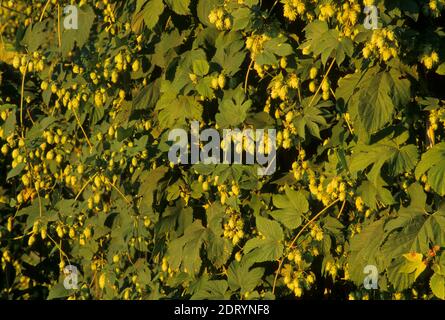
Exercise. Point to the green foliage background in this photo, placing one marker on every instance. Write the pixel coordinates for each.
(85, 178)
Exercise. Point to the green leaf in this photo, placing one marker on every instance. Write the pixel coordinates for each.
(241, 18)
(148, 96)
(266, 57)
(16, 171)
(413, 264)
(292, 206)
(399, 159)
(230, 52)
(441, 69)
(266, 248)
(79, 37)
(213, 290)
(219, 249)
(375, 105)
(165, 49)
(349, 85)
(203, 10)
(201, 67)
(175, 111)
(418, 197)
(269, 229)
(233, 109)
(149, 181)
(437, 285)
(58, 291)
(36, 36)
(411, 231)
(151, 12)
(433, 163)
(441, 265)
(204, 87)
(179, 6)
(240, 277)
(278, 47)
(327, 42)
(185, 251)
(401, 88)
(311, 119)
(365, 250)
(403, 160)
(400, 280)
(10, 123)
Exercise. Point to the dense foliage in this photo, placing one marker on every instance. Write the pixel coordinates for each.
(86, 181)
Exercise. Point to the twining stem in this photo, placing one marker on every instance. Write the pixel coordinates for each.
(349, 125)
(59, 35)
(120, 193)
(80, 125)
(44, 10)
(271, 9)
(22, 94)
(341, 210)
(247, 75)
(296, 238)
(276, 275)
(22, 236)
(60, 249)
(321, 84)
(40, 203)
(311, 221)
(84, 186)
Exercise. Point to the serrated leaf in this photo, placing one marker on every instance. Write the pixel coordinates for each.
(240, 277)
(279, 47)
(185, 251)
(269, 229)
(230, 52)
(204, 7)
(241, 18)
(292, 206)
(80, 36)
(365, 250)
(16, 171)
(213, 290)
(441, 69)
(233, 109)
(375, 105)
(268, 248)
(150, 14)
(219, 249)
(147, 97)
(400, 280)
(411, 231)
(149, 182)
(9, 125)
(201, 67)
(414, 263)
(326, 42)
(35, 36)
(437, 285)
(179, 6)
(58, 291)
(175, 111)
(433, 163)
